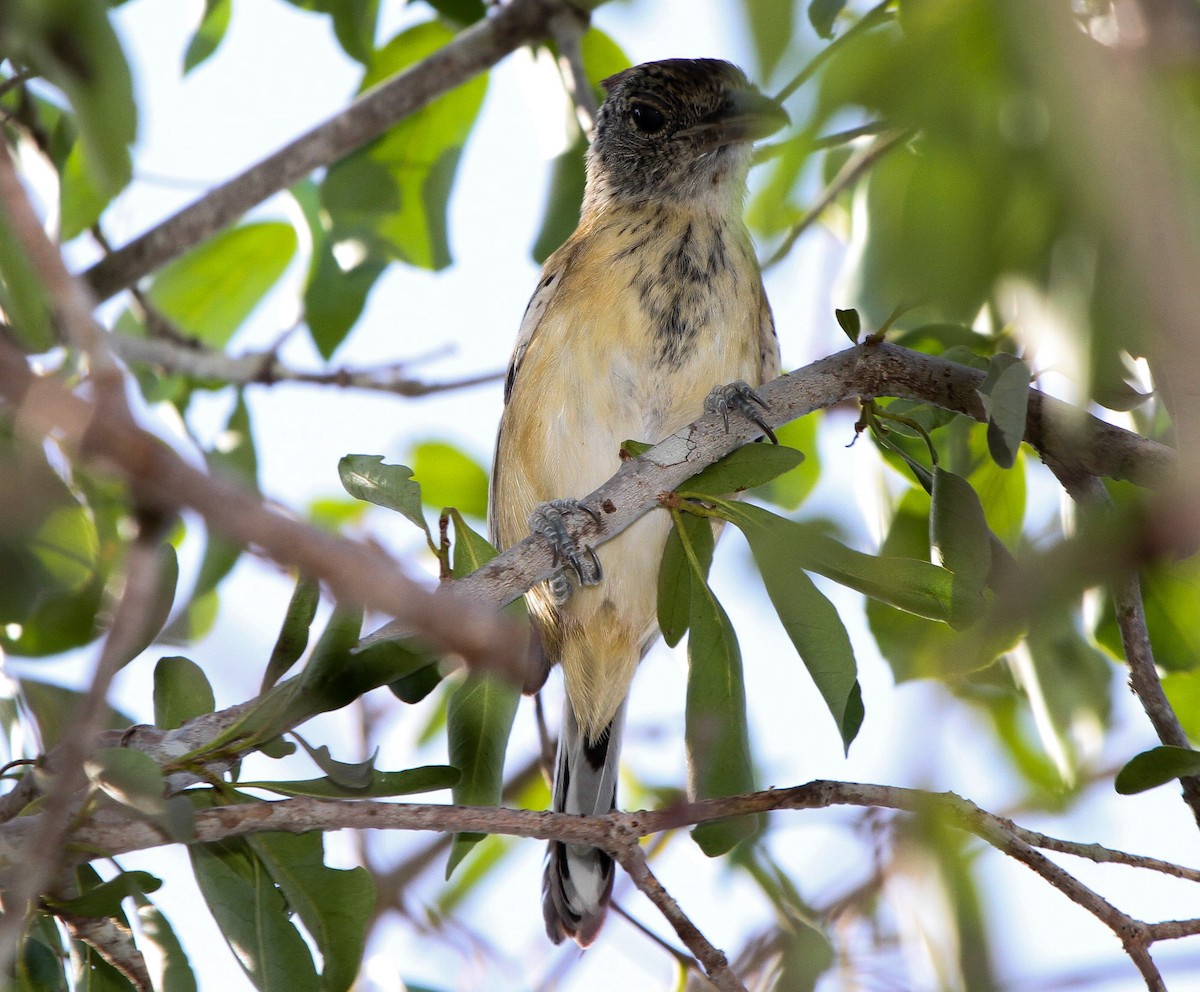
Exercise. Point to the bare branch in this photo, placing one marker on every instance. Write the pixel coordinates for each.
(113, 942)
(474, 50)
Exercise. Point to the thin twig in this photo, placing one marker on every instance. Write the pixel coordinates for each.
(876, 15)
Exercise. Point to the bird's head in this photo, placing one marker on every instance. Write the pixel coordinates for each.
(679, 129)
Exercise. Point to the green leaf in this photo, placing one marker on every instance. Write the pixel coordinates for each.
(181, 692)
(105, 899)
(392, 195)
(427, 778)
(253, 916)
(208, 34)
(334, 295)
(675, 574)
(450, 477)
(460, 11)
(564, 195)
(1005, 395)
(366, 477)
(960, 541)
(210, 291)
(55, 709)
(822, 14)
(715, 730)
(771, 29)
(1183, 693)
(1156, 767)
(159, 609)
(22, 295)
(324, 680)
(849, 321)
(792, 488)
(80, 201)
(348, 775)
(293, 635)
(334, 905)
(811, 621)
(39, 962)
(471, 549)
(744, 468)
(130, 777)
(170, 969)
(415, 687)
(479, 720)
(1171, 596)
(72, 45)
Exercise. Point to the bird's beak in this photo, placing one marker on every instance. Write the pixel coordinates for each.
(747, 116)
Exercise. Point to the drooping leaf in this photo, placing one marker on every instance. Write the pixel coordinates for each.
(1005, 395)
(348, 775)
(366, 477)
(209, 33)
(479, 719)
(210, 291)
(392, 195)
(822, 14)
(181, 692)
(771, 28)
(471, 550)
(675, 574)
(1171, 597)
(1156, 767)
(960, 541)
(105, 898)
(169, 967)
(450, 477)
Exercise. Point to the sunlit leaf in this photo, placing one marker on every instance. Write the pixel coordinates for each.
(214, 22)
(1171, 597)
(450, 477)
(380, 785)
(1156, 767)
(744, 468)
(366, 477)
(792, 488)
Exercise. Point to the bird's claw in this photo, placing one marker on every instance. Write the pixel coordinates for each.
(740, 397)
(548, 521)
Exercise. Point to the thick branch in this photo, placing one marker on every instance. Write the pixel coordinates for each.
(474, 50)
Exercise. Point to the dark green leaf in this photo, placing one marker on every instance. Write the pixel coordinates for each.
(353, 23)
(415, 687)
(105, 899)
(675, 575)
(460, 11)
(253, 916)
(1171, 596)
(960, 541)
(744, 468)
(293, 635)
(366, 477)
(450, 477)
(208, 34)
(716, 734)
(392, 195)
(428, 778)
(181, 692)
(345, 775)
(211, 290)
(39, 963)
(93, 973)
(325, 680)
(334, 905)
(170, 969)
(1005, 395)
(1156, 767)
(479, 720)
(822, 14)
(848, 321)
(130, 777)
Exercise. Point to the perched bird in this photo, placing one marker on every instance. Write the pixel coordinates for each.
(639, 321)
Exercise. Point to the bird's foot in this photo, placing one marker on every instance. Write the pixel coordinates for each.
(739, 397)
(549, 521)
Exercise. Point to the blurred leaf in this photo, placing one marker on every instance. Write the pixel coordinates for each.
(157, 611)
(1171, 596)
(479, 720)
(55, 710)
(80, 201)
(208, 34)
(959, 541)
(485, 857)
(253, 916)
(1005, 395)
(811, 621)
(169, 967)
(460, 11)
(334, 905)
(564, 195)
(715, 730)
(333, 514)
(675, 574)
(391, 196)
(130, 777)
(353, 22)
(105, 899)
(1183, 693)
(1156, 767)
(22, 296)
(334, 297)
(428, 778)
(822, 14)
(416, 686)
(72, 45)
(366, 477)
(210, 291)
(743, 468)
(181, 692)
(39, 964)
(293, 635)
(93, 973)
(449, 477)
(771, 29)
(792, 488)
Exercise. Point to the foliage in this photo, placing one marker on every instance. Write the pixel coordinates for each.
(972, 198)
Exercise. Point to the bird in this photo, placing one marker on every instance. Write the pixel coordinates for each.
(651, 312)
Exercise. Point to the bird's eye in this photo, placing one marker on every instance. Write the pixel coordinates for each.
(647, 119)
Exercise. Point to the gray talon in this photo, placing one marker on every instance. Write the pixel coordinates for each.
(740, 397)
(548, 521)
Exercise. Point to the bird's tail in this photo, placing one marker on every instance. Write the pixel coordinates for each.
(578, 880)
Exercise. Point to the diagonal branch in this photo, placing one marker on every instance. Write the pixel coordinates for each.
(476, 49)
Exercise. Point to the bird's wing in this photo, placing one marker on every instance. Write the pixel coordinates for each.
(768, 342)
(539, 303)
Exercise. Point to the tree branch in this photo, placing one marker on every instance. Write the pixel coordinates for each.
(474, 50)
